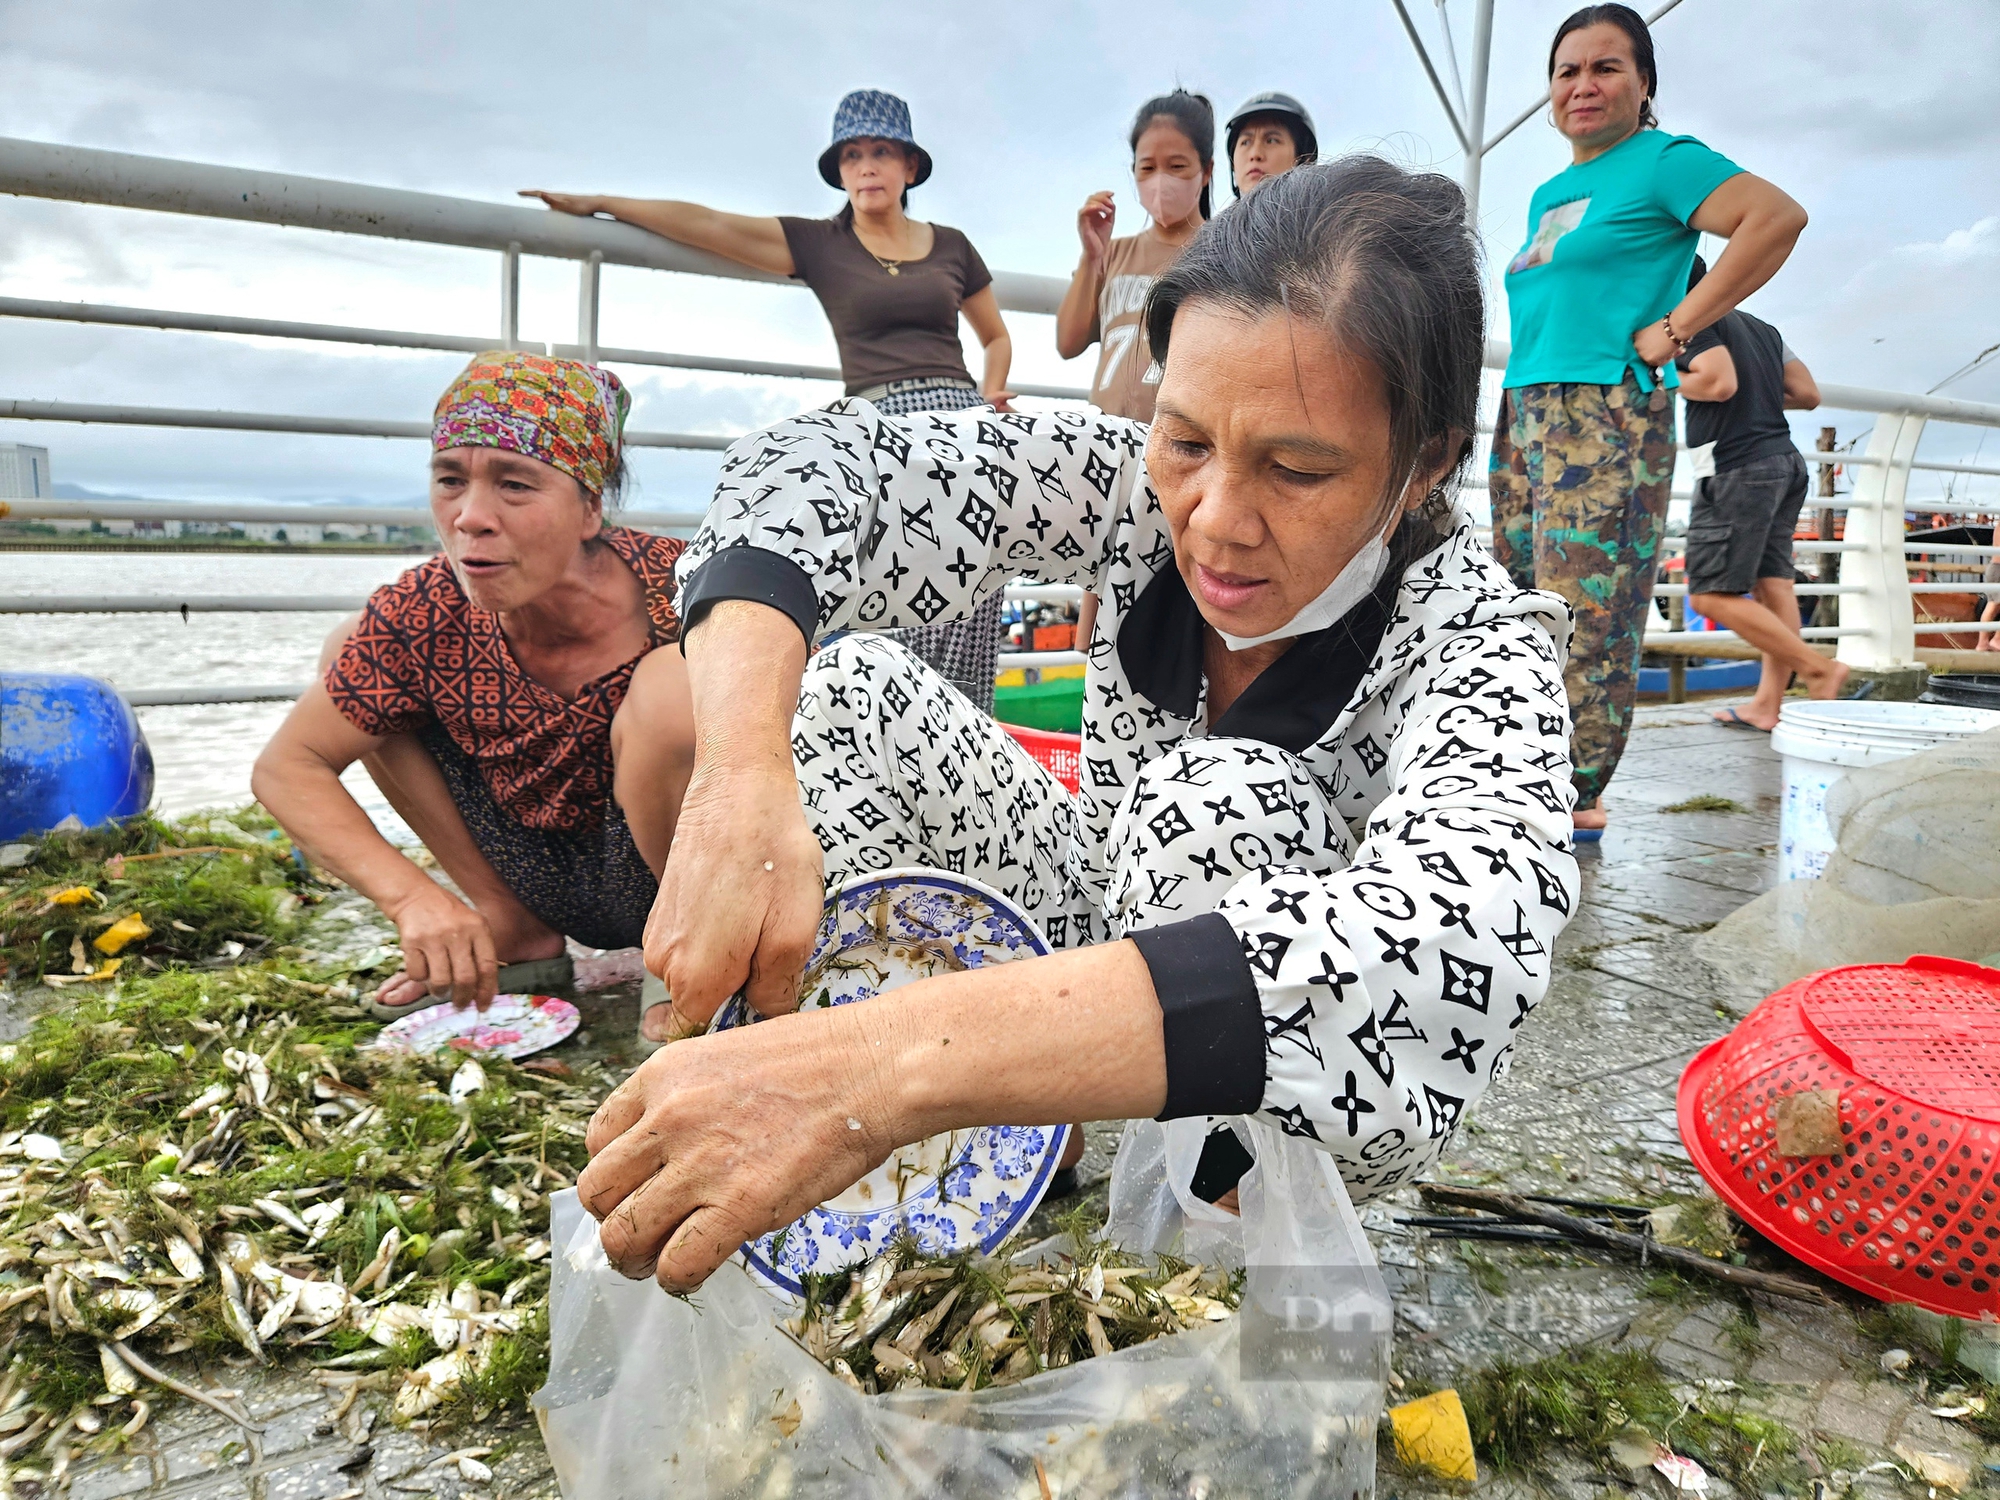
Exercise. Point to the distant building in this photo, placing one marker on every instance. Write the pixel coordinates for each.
(294, 532)
(24, 472)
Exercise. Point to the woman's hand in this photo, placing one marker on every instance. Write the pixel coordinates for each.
(1093, 226)
(999, 400)
(741, 899)
(1655, 349)
(724, 1137)
(447, 946)
(583, 205)
(721, 1138)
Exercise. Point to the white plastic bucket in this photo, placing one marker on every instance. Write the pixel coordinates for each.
(1820, 742)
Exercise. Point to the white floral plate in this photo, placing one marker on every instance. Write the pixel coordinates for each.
(966, 1190)
(512, 1026)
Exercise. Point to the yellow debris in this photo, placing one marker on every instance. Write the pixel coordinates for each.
(127, 929)
(1431, 1433)
(110, 967)
(76, 895)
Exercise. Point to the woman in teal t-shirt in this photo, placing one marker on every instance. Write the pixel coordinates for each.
(1583, 449)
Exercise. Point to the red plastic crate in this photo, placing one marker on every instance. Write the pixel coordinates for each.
(1060, 752)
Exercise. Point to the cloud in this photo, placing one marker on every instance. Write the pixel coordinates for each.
(1878, 119)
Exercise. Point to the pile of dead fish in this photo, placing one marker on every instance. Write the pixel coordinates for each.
(218, 1167)
(906, 1320)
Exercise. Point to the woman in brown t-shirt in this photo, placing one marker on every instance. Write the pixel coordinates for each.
(893, 288)
(1173, 163)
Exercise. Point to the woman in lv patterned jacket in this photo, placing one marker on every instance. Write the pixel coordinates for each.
(1322, 849)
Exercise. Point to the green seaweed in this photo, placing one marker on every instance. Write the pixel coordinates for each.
(245, 887)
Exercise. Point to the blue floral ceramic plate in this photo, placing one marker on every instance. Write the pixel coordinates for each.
(967, 1190)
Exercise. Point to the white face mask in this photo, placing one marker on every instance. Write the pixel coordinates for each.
(1169, 199)
(1350, 586)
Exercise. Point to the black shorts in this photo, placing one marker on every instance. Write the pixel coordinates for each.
(1742, 523)
(588, 883)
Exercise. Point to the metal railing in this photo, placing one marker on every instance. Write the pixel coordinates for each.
(1877, 629)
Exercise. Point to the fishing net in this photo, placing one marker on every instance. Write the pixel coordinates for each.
(1917, 870)
(713, 1398)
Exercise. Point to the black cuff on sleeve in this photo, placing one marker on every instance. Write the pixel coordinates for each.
(1213, 1020)
(756, 574)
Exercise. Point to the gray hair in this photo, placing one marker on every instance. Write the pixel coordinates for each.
(1384, 260)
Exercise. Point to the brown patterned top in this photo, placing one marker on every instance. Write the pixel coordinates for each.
(423, 651)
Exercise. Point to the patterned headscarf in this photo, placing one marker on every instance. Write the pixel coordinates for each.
(569, 415)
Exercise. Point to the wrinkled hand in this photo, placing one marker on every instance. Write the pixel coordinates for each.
(447, 946)
(741, 898)
(581, 204)
(1655, 349)
(722, 1138)
(1094, 222)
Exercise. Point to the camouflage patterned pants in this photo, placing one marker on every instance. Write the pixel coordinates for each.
(1579, 481)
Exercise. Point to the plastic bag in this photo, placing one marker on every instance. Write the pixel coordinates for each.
(1916, 870)
(650, 1395)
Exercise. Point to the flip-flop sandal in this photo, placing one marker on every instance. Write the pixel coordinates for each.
(1729, 718)
(533, 976)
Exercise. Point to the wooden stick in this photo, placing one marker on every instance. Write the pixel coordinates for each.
(1513, 1206)
(133, 859)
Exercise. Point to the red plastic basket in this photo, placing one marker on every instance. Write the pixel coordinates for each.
(1908, 1209)
(1054, 749)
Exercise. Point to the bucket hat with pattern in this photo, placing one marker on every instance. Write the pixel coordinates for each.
(871, 114)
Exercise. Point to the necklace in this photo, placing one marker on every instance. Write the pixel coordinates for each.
(893, 267)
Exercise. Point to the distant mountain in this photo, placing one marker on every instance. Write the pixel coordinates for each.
(64, 490)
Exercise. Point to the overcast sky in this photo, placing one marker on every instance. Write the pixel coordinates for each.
(1878, 118)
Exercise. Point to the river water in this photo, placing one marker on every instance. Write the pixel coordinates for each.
(202, 754)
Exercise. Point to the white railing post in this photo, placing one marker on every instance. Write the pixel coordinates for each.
(1881, 615)
(1475, 125)
(587, 276)
(510, 297)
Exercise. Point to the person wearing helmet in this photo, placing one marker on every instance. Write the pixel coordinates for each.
(1269, 133)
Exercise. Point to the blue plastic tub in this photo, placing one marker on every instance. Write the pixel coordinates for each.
(1719, 677)
(69, 747)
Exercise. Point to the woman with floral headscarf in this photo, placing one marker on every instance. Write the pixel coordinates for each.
(509, 699)
(893, 288)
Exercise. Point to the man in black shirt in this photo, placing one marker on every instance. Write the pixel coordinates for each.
(1740, 377)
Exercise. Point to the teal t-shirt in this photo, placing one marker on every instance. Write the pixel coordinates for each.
(1608, 251)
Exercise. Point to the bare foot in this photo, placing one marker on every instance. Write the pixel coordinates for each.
(1073, 1148)
(1829, 683)
(1752, 712)
(1589, 817)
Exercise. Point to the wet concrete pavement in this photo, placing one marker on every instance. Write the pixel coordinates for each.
(1588, 1111)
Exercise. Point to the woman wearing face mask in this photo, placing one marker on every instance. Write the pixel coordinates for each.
(1173, 162)
(1173, 166)
(1320, 856)
(1583, 451)
(893, 288)
(1269, 134)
